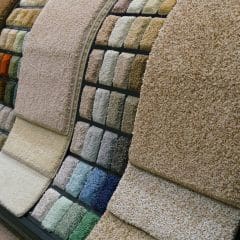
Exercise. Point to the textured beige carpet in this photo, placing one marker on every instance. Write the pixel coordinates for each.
(167, 211)
(187, 126)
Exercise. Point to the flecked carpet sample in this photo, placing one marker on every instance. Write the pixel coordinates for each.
(168, 211)
(5, 8)
(195, 98)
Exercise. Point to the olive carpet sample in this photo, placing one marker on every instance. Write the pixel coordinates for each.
(189, 106)
(152, 6)
(166, 7)
(168, 211)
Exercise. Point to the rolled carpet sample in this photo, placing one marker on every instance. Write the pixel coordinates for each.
(151, 34)
(94, 185)
(11, 39)
(120, 156)
(33, 3)
(166, 6)
(136, 6)
(136, 32)
(5, 8)
(4, 113)
(107, 149)
(163, 209)
(137, 73)
(56, 213)
(94, 65)
(85, 226)
(78, 179)
(106, 30)
(3, 37)
(13, 67)
(10, 121)
(152, 6)
(45, 204)
(9, 93)
(18, 43)
(195, 144)
(106, 73)
(92, 144)
(18, 176)
(100, 106)
(79, 135)
(130, 110)
(121, 6)
(65, 172)
(122, 70)
(3, 138)
(70, 221)
(115, 110)
(120, 31)
(5, 65)
(36, 147)
(111, 227)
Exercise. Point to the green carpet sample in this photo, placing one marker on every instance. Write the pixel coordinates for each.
(13, 67)
(19, 40)
(9, 93)
(85, 226)
(3, 138)
(121, 6)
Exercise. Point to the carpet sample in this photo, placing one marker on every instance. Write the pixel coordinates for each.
(5, 62)
(95, 182)
(33, 3)
(9, 93)
(3, 37)
(120, 157)
(36, 147)
(107, 148)
(70, 221)
(196, 143)
(15, 93)
(5, 9)
(65, 172)
(115, 110)
(11, 39)
(78, 179)
(91, 144)
(137, 73)
(79, 134)
(3, 138)
(44, 60)
(100, 106)
(10, 121)
(151, 34)
(15, 178)
(85, 226)
(120, 31)
(106, 193)
(106, 73)
(87, 101)
(122, 70)
(94, 65)
(136, 6)
(45, 204)
(152, 6)
(13, 15)
(163, 209)
(166, 7)
(106, 30)
(13, 67)
(4, 113)
(136, 32)
(121, 6)
(111, 227)
(18, 43)
(56, 213)
(2, 89)
(130, 110)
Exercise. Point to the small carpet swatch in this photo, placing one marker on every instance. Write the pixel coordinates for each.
(79, 134)
(3, 37)
(2, 88)
(100, 106)
(152, 6)
(12, 34)
(3, 138)
(85, 226)
(56, 213)
(33, 3)
(4, 65)
(5, 8)
(94, 65)
(107, 149)
(136, 6)
(19, 40)
(65, 172)
(13, 67)
(121, 6)
(78, 179)
(70, 221)
(166, 7)
(10, 121)
(120, 31)
(107, 70)
(92, 144)
(168, 211)
(9, 93)
(4, 113)
(45, 204)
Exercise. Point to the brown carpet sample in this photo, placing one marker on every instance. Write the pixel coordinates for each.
(166, 7)
(5, 8)
(106, 29)
(189, 108)
(121, 6)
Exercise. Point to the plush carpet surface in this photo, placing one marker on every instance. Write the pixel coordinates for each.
(187, 122)
(111, 227)
(20, 186)
(167, 211)
(52, 59)
(36, 147)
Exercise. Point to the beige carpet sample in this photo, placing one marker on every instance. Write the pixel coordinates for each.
(111, 227)
(166, 7)
(189, 105)
(51, 59)
(136, 6)
(167, 211)
(152, 6)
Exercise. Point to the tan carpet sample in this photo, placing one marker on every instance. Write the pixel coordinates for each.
(167, 211)
(189, 107)
(5, 8)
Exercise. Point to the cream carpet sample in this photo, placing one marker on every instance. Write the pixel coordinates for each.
(187, 125)
(168, 211)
